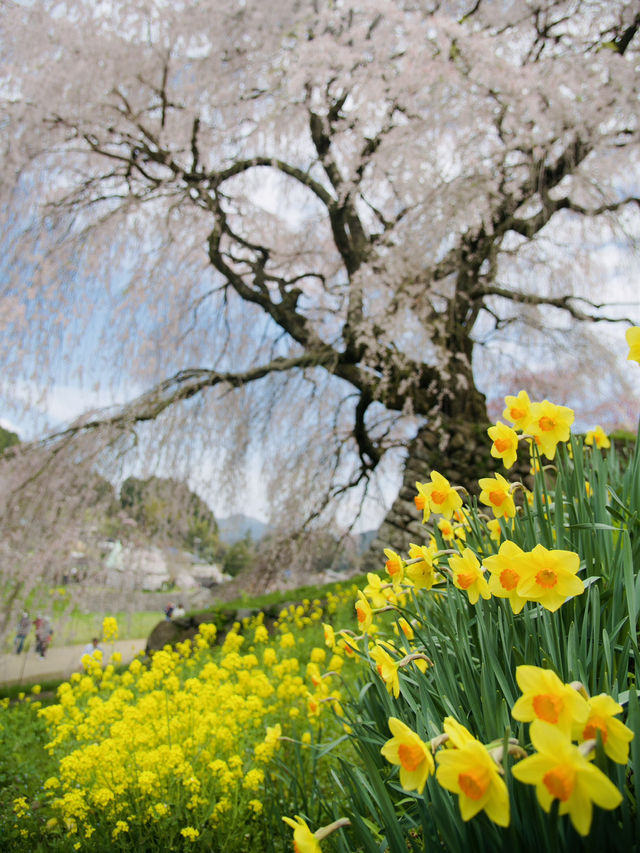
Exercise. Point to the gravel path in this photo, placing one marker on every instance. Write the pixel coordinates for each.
(60, 662)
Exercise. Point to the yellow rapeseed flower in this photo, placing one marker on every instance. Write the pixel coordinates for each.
(469, 771)
(602, 718)
(505, 443)
(468, 575)
(561, 772)
(190, 833)
(496, 493)
(109, 628)
(633, 339)
(549, 577)
(545, 697)
(411, 753)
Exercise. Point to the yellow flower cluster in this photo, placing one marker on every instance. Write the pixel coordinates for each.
(191, 734)
(559, 768)
(109, 629)
(560, 713)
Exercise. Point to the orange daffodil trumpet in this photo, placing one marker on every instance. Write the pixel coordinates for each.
(633, 339)
(411, 753)
(560, 771)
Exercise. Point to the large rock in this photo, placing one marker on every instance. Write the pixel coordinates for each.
(169, 632)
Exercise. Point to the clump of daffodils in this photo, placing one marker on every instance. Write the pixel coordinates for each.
(474, 559)
(559, 714)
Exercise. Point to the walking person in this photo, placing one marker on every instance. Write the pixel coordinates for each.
(24, 625)
(44, 632)
(90, 651)
(37, 624)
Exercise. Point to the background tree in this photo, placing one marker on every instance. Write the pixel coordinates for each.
(7, 439)
(323, 208)
(169, 512)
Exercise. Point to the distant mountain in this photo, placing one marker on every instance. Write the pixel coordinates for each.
(235, 527)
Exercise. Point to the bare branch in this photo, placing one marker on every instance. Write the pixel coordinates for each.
(565, 303)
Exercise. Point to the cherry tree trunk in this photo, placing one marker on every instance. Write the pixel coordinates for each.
(460, 450)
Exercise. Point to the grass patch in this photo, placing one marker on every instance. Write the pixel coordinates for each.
(281, 597)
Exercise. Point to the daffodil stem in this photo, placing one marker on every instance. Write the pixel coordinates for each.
(324, 831)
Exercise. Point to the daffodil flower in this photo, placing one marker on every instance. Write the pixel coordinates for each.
(387, 669)
(423, 572)
(468, 575)
(549, 577)
(545, 697)
(394, 567)
(506, 572)
(469, 771)
(602, 718)
(598, 437)
(550, 424)
(329, 635)
(495, 531)
(505, 443)
(438, 496)
(411, 753)
(364, 612)
(496, 493)
(633, 339)
(304, 841)
(561, 772)
(518, 410)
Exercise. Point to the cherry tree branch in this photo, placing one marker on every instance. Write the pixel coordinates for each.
(565, 303)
